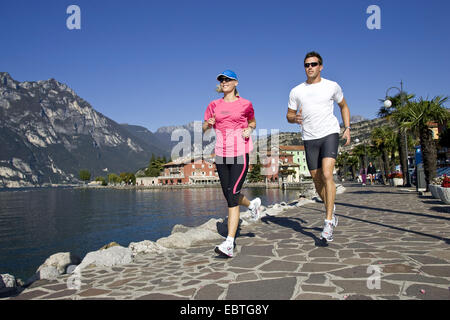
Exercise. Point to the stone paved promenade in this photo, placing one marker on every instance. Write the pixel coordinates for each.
(393, 231)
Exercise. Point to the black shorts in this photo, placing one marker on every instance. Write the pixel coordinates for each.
(232, 173)
(318, 149)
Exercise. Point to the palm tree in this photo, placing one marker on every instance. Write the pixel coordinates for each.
(341, 163)
(360, 151)
(353, 162)
(398, 101)
(384, 139)
(417, 116)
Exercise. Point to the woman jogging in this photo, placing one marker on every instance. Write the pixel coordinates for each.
(233, 119)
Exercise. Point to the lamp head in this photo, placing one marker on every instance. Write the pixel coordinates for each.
(388, 103)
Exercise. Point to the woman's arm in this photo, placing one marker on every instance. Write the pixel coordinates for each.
(250, 127)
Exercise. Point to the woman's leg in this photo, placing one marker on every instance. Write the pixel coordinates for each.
(238, 172)
(243, 201)
(233, 221)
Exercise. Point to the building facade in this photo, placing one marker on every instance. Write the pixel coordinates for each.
(189, 171)
(279, 167)
(299, 158)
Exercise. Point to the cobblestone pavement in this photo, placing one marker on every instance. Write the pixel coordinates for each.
(390, 243)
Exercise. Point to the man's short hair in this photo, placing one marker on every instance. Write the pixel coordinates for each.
(313, 54)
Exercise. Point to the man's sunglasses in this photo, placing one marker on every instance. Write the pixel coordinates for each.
(312, 64)
(222, 79)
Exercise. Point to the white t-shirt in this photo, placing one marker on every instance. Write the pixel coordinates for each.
(317, 102)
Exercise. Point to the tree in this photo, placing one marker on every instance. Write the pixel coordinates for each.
(342, 163)
(255, 174)
(113, 178)
(128, 178)
(398, 101)
(360, 151)
(85, 175)
(155, 167)
(102, 179)
(353, 162)
(384, 139)
(418, 116)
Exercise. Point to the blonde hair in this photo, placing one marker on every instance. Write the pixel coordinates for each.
(219, 90)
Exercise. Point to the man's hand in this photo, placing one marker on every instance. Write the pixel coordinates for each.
(345, 113)
(294, 117)
(346, 135)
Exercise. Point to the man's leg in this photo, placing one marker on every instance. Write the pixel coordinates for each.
(329, 185)
(318, 182)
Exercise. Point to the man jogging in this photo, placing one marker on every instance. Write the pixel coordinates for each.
(311, 105)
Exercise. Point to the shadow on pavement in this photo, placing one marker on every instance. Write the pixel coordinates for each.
(446, 240)
(393, 211)
(295, 225)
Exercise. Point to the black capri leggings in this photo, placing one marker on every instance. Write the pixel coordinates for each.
(232, 173)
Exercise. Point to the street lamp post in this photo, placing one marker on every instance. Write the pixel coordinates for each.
(364, 169)
(388, 104)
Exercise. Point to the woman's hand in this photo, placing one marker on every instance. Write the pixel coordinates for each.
(212, 121)
(209, 123)
(247, 132)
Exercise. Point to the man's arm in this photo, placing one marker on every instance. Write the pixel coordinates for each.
(345, 113)
(294, 117)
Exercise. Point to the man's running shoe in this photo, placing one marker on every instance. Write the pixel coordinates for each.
(225, 249)
(327, 232)
(255, 204)
(335, 218)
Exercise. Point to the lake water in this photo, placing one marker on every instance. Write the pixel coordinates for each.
(36, 223)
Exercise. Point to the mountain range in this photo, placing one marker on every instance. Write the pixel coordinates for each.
(48, 134)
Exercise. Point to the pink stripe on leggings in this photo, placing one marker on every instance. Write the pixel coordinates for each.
(242, 173)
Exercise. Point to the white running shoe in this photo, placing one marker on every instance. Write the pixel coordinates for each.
(225, 248)
(255, 211)
(327, 232)
(335, 218)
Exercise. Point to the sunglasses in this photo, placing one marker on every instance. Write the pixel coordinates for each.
(312, 64)
(222, 79)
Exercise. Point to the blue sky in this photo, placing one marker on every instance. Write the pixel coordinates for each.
(154, 63)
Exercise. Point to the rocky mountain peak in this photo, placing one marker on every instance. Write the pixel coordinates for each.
(46, 128)
(7, 81)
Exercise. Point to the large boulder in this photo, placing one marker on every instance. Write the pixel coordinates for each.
(59, 261)
(182, 240)
(7, 283)
(54, 266)
(112, 256)
(145, 247)
(185, 237)
(47, 273)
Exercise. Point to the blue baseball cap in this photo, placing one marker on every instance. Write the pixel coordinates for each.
(229, 74)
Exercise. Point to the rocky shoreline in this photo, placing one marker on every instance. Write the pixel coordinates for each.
(113, 254)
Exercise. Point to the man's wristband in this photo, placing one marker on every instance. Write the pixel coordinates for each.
(347, 128)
